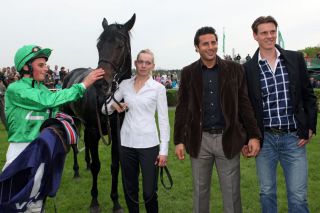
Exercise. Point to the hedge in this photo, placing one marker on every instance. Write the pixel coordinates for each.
(172, 97)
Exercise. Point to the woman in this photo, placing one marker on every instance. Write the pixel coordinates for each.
(140, 148)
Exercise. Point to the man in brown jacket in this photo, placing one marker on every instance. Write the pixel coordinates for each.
(213, 120)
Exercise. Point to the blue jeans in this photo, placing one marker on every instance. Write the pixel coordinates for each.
(293, 160)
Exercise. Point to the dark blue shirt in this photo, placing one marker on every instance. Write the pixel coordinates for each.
(212, 113)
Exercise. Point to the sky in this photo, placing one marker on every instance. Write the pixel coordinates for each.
(167, 27)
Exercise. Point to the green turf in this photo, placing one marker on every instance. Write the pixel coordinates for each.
(74, 195)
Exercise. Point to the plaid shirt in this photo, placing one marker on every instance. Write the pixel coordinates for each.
(277, 105)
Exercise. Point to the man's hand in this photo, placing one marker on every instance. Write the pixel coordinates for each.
(252, 149)
(245, 151)
(180, 151)
(303, 142)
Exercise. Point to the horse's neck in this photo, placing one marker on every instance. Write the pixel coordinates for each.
(125, 70)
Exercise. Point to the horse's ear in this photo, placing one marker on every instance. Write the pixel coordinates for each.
(104, 23)
(130, 23)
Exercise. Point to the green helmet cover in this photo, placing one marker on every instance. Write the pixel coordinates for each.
(29, 52)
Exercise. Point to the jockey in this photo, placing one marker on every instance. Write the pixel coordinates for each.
(28, 102)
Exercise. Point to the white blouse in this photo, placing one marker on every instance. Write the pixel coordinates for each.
(139, 129)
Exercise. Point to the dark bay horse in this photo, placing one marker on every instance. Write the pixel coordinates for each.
(115, 58)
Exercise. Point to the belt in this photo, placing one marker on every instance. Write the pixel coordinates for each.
(275, 130)
(213, 131)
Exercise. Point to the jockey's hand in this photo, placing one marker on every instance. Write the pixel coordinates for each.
(93, 76)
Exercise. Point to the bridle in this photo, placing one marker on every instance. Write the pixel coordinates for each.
(119, 72)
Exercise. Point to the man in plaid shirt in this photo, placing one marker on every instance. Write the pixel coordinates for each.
(285, 108)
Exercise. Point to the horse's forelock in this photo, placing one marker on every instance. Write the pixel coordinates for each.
(112, 31)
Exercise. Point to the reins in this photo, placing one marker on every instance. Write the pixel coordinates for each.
(165, 168)
(99, 127)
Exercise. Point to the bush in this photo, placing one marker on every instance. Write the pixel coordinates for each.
(172, 97)
(317, 94)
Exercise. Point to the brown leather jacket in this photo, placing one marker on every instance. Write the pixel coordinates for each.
(236, 108)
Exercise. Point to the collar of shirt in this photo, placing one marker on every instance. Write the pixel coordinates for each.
(148, 82)
(266, 61)
(204, 67)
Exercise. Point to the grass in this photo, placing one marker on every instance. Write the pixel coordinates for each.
(74, 195)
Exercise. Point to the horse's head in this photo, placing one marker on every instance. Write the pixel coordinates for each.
(115, 50)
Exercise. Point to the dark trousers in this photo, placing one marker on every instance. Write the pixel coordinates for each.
(132, 160)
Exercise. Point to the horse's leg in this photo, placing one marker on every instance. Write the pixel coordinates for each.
(115, 165)
(87, 155)
(91, 136)
(75, 161)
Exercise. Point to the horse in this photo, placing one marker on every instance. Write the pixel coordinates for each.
(115, 58)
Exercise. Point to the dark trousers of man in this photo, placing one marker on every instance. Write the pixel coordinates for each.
(131, 161)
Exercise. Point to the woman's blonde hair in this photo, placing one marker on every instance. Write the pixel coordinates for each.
(147, 51)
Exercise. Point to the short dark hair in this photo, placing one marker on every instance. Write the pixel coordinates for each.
(262, 20)
(204, 31)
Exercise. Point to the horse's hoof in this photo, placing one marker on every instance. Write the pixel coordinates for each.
(76, 176)
(94, 206)
(94, 209)
(118, 210)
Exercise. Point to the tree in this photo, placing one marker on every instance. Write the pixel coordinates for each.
(311, 51)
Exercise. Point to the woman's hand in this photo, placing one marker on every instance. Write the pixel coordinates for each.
(123, 107)
(161, 160)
